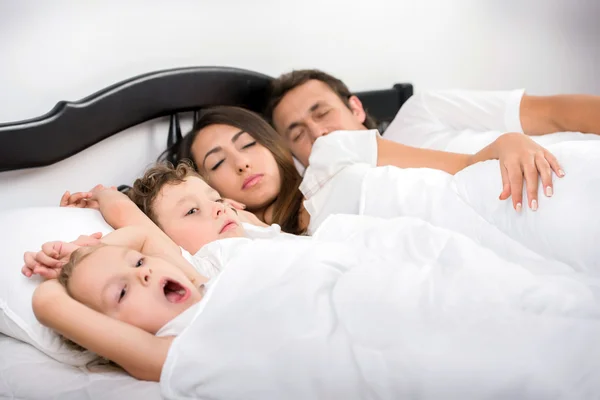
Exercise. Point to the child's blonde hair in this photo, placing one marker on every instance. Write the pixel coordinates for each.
(65, 275)
(146, 189)
(74, 260)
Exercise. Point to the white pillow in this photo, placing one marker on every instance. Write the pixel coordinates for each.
(26, 229)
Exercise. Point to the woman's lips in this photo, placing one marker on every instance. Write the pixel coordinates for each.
(251, 181)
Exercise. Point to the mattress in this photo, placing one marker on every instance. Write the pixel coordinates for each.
(26, 373)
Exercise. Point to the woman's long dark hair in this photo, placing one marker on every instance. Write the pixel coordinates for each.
(286, 208)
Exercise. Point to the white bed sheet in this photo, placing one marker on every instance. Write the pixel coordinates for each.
(28, 374)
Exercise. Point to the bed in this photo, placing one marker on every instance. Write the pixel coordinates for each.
(110, 137)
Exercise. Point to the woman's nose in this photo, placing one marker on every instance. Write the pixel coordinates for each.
(243, 166)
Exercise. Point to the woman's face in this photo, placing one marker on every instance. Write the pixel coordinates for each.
(237, 166)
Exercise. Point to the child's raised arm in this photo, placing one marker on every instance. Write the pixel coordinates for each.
(140, 353)
(152, 241)
(117, 209)
(143, 239)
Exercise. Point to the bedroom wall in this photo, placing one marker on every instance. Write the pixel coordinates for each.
(67, 49)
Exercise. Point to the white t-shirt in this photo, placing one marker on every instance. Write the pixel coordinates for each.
(464, 121)
(343, 178)
(332, 183)
(209, 261)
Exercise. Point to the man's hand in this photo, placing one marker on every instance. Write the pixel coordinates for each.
(520, 157)
(48, 262)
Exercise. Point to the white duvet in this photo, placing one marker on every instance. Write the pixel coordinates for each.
(342, 178)
(376, 309)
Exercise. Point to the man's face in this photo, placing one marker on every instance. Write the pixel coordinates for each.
(312, 110)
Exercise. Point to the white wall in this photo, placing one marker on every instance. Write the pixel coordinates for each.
(68, 49)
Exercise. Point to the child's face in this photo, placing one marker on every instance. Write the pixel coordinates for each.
(192, 214)
(143, 291)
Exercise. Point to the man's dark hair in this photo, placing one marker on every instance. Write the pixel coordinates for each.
(286, 82)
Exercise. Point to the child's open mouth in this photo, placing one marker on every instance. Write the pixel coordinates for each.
(174, 291)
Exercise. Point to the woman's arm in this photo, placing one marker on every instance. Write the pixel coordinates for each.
(141, 354)
(402, 156)
(521, 159)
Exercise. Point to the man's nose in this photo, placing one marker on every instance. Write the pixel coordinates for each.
(317, 130)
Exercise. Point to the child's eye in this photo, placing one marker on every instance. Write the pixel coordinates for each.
(192, 211)
(122, 294)
(220, 201)
(139, 263)
(217, 165)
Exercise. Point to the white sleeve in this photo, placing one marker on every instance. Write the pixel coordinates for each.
(203, 267)
(335, 151)
(442, 112)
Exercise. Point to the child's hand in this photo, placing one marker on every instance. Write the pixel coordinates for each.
(84, 199)
(48, 262)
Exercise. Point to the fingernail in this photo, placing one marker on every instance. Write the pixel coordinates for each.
(549, 191)
(561, 173)
(519, 207)
(534, 205)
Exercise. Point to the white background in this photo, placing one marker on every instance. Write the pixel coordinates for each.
(67, 49)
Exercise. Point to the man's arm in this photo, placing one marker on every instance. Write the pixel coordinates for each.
(541, 115)
(140, 353)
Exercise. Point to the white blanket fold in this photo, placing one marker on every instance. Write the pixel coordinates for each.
(374, 309)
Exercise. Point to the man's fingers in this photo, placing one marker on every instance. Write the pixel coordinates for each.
(531, 180)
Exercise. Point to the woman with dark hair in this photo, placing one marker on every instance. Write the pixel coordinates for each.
(242, 157)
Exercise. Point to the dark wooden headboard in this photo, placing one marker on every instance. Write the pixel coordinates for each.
(71, 127)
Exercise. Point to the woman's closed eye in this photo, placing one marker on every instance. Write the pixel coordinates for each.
(217, 165)
(249, 145)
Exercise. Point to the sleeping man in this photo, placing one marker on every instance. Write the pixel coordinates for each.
(365, 308)
(307, 104)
